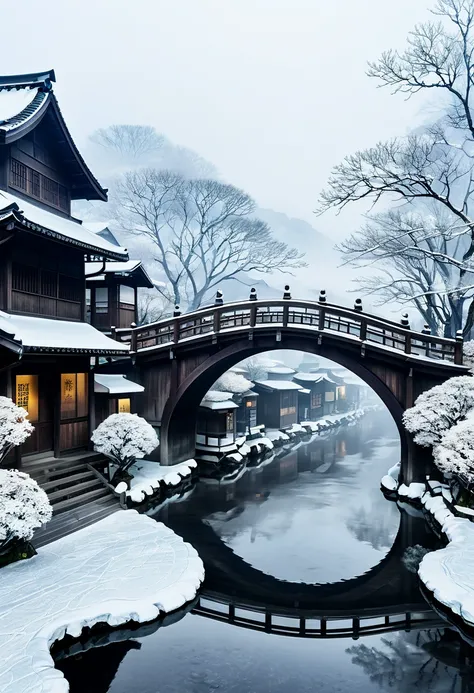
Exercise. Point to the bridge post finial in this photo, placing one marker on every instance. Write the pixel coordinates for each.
(322, 296)
(426, 329)
(404, 322)
(176, 312)
(286, 294)
(219, 298)
(358, 305)
(253, 295)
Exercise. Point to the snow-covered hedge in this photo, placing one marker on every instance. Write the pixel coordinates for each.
(124, 438)
(14, 426)
(24, 506)
(232, 382)
(455, 452)
(468, 354)
(439, 409)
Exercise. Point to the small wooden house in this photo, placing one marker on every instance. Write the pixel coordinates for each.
(216, 424)
(278, 403)
(246, 414)
(115, 394)
(321, 399)
(112, 293)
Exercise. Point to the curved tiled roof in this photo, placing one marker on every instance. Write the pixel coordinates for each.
(16, 125)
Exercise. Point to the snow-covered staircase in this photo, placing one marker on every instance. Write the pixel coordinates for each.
(77, 495)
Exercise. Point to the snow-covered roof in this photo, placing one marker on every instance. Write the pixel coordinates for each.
(24, 101)
(217, 396)
(54, 226)
(64, 336)
(281, 370)
(313, 377)
(304, 391)
(217, 406)
(127, 268)
(112, 384)
(13, 102)
(278, 384)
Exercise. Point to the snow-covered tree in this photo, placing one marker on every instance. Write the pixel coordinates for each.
(14, 426)
(24, 507)
(439, 409)
(455, 452)
(124, 438)
(232, 382)
(256, 370)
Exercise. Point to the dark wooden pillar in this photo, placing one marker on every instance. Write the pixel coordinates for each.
(57, 414)
(91, 404)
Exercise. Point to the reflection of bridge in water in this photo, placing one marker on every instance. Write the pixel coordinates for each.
(300, 626)
(383, 599)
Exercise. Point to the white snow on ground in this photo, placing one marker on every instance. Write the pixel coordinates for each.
(296, 428)
(123, 568)
(448, 572)
(245, 449)
(148, 477)
(261, 444)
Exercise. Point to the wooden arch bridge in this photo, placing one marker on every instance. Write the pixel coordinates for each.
(179, 358)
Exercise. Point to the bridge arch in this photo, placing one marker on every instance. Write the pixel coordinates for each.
(181, 357)
(178, 425)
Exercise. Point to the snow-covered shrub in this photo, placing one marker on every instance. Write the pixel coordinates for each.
(14, 426)
(24, 506)
(455, 452)
(217, 396)
(440, 408)
(232, 382)
(124, 438)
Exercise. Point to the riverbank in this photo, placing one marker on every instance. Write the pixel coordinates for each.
(447, 573)
(125, 568)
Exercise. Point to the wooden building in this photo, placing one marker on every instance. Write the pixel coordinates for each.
(216, 426)
(246, 414)
(278, 403)
(47, 349)
(112, 293)
(321, 399)
(115, 394)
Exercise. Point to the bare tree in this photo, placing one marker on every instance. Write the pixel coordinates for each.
(153, 306)
(202, 230)
(414, 256)
(435, 166)
(130, 141)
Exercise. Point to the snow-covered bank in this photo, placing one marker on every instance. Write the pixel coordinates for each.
(446, 573)
(150, 477)
(124, 568)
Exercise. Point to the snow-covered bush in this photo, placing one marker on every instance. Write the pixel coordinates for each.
(217, 396)
(440, 408)
(232, 382)
(123, 438)
(24, 507)
(455, 452)
(14, 426)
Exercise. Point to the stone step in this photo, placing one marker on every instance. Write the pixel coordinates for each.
(44, 476)
(75, 490)
(69, 480)
(80, 500)
(51, 463)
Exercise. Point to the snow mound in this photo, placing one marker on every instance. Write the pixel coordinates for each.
(125, 567)
(149, 476)
(414, 491)
(389, 483)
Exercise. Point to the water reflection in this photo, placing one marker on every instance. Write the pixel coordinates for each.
(306, 537)
(302, 516)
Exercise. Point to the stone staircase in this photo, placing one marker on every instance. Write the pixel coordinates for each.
(78, 496)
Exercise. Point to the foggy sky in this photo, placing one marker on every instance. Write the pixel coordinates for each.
(273, 92)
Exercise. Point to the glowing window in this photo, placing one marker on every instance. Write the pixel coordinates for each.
(27, 395)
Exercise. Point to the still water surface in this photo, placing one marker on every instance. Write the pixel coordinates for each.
(306, 533)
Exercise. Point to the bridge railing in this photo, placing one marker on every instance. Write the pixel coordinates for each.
(304, 627)
(320, 317)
